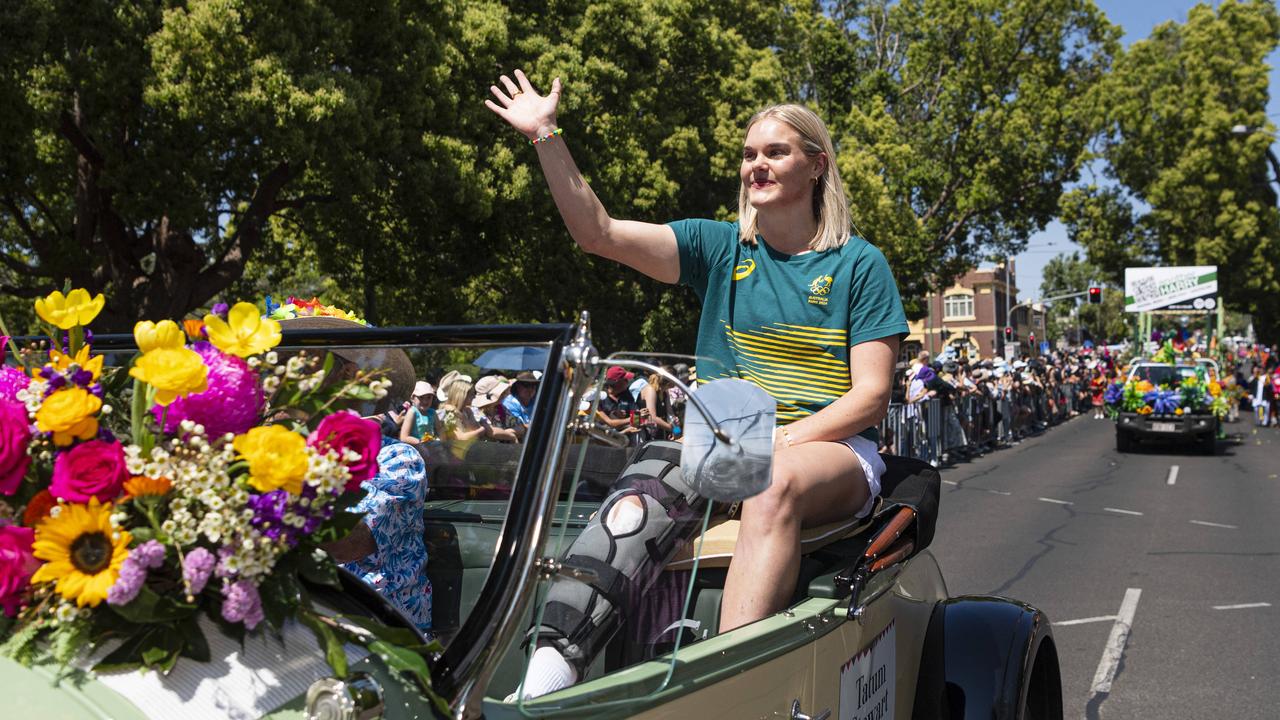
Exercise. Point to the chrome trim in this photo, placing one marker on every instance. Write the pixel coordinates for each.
(579, 360)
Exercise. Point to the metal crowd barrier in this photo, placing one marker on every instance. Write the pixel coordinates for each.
(939, 431)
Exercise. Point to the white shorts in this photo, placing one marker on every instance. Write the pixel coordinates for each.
(872, 468)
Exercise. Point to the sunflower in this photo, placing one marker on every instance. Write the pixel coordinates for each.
(82, 550)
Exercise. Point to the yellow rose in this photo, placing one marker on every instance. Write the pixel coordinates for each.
(164, 334)
(277, 458)
(70, 414)
(1215, 389)
(76, 308)
(173, 372)
(245, 332)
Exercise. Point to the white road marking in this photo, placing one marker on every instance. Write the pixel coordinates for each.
(1122, 512)
(1055, 502)
(950, 482)
(1115, 644)
(1218, 525)
(999, 492)
(1173, 475)
(1083, 621)
(1242, 606)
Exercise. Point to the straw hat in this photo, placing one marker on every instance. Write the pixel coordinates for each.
(392, 361)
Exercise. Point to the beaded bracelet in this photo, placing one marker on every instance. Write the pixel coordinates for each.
(548, 136)
(787, 437)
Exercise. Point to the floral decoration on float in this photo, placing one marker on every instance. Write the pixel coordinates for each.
(211, 497)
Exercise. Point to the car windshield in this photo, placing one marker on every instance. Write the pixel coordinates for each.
(1163, 374)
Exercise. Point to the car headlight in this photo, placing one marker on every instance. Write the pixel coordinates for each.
(359, 697)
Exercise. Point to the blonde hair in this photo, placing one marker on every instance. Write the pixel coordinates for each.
(458, 390)
(830, 206)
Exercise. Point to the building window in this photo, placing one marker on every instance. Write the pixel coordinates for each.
(957, 306)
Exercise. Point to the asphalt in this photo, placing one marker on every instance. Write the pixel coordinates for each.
(999, 533)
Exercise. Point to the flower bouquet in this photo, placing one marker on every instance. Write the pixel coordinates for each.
(213, 498)
(1194, 394)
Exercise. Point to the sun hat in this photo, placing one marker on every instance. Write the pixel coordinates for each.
(449, 379)
(422, 387)
(489, 390)
(393, 362)
(525, 377)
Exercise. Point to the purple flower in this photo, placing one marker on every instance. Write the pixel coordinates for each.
(224, 553)
(132, 577)
(240, 603)
(83, 378)
(221, 310)
(149, 554)
(1163, 402)
(1113, 394)
(196, 569)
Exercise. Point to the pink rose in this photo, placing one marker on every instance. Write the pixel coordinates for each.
(344, 431)
(15, 435)
(90, 469)
(17, 564)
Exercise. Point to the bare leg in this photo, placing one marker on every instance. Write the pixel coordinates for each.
(813, 484)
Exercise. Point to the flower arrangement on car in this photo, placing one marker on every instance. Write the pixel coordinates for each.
(213, 497)
(1194, 394)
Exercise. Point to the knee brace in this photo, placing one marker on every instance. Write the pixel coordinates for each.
(622, 555)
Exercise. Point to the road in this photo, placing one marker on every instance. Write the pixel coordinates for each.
(1186, 560)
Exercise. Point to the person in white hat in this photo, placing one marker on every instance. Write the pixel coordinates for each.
(419, 423)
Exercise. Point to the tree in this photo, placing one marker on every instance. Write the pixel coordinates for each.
(958, 123)
(149, 150)
(1186, 189)
(1067, 274)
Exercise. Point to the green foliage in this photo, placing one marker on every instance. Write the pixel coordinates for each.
(1191, 191)
(207, 149)
(1068, 274)
(957, 122)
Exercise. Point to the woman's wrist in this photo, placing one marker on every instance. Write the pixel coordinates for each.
(544, 130)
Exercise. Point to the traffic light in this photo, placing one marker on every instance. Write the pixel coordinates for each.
(1008, 333)
(1031, 338)
(1095, 295)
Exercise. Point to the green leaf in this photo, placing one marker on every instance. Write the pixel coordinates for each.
(408, 661)
(195, 645)
(129, 655)
(320, 570)
(329, 640)
(151, 608)
(398, 636)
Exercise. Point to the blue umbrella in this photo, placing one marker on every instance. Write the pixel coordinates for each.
(520, 357)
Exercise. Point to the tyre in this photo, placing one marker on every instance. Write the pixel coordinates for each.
(1209, 445)
(1124, 443)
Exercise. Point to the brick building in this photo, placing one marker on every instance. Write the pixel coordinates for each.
(971, 316)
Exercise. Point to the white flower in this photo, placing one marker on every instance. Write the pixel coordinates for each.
(272, 358)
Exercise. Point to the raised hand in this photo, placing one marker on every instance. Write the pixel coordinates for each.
(520, 105)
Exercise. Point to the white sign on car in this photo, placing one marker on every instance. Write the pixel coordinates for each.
(866, 681)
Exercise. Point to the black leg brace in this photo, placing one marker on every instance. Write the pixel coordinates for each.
(581, 617)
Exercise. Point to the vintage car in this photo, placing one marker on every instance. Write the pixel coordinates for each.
(872, 632)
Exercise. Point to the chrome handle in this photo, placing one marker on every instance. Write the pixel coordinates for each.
(797, 715)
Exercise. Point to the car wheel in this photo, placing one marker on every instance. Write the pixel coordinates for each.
(1124, 443)
(1043, 699)
(1209, 445)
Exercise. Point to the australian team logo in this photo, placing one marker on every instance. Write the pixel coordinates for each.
(742, 271)
(819, 289)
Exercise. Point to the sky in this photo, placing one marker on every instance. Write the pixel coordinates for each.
(1138, 18)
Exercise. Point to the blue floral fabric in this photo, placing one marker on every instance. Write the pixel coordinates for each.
(393, 511)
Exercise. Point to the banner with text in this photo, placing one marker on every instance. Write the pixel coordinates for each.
(1189, 289)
